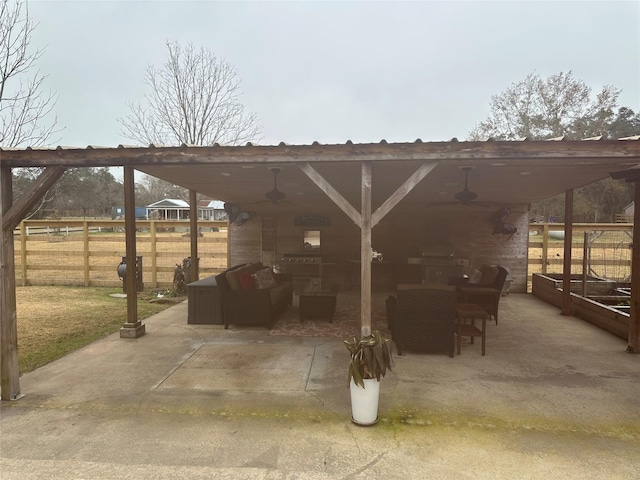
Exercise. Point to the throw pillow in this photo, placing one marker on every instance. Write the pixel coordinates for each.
(233, 278)
(246, 281)
(489, 275)
(264, 279)
(475, 277)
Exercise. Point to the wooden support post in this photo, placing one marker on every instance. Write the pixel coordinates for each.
(633, 345)
(566, 261)
(365, 251)
(132, 328)
(193, 234)
(365, 220)
(9, 371)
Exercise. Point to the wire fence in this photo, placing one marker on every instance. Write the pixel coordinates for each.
(604, 250)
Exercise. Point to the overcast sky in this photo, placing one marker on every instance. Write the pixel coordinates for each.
(334, 71)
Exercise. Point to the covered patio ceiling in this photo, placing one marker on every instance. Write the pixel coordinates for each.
(504, 172)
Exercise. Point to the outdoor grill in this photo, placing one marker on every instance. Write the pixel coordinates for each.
(303, 267)
(438, 254)
(293, 258)
(438, 263)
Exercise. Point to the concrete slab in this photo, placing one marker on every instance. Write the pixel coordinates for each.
(554, 397)
(259, 368)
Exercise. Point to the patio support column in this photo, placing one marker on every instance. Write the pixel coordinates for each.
(193, 234)
(9, 371)
(365, 251)
(633, 345)
(366, 220)
(132, 328)
(566, 262)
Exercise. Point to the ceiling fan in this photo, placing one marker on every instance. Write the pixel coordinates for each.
(466, 196)
(275, 196)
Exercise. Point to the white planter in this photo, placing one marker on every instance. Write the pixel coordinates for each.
(364, 402)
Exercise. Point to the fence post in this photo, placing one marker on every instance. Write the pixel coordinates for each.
(545, 247)
(23, 252)
(85, 234)
(154, 262)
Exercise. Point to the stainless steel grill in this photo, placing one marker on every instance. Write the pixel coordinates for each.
(438, 250)
(438, 263)
(288, 258)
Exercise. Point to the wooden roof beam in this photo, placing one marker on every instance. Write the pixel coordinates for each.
(395, 198)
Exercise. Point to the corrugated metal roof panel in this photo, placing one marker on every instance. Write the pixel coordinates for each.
(284, 144)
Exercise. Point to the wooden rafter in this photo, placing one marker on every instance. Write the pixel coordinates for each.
(366, 220)
(422, 171)
(332, 193)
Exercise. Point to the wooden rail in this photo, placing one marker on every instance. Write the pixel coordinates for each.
(87, 252)
(611, 249)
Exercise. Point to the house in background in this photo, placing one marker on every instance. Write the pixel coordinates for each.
(168, 209)
(627, 215)
(212, 210)
(117, 213)
(178, 209)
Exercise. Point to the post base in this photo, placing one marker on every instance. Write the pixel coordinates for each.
(132, 330)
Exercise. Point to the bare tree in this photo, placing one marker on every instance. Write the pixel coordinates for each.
(194, 98)
(562, 105)
(23, 105)
(541, 108)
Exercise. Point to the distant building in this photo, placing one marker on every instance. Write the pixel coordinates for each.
(212, 210)
(117, 213)
(627, 216)
(168, 209)
(177, 209)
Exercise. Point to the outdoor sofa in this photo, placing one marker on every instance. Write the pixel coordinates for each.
(252, 294)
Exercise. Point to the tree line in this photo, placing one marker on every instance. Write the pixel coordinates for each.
(194, 99)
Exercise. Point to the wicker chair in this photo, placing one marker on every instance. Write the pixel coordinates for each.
(487, 293)
(422, 318)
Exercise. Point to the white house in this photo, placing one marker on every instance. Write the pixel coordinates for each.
(168, 209)
(177, 209)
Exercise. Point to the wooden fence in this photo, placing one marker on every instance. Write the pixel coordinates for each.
(604, 250)
(88, 252)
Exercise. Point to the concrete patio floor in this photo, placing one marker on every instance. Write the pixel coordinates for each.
(554, 397)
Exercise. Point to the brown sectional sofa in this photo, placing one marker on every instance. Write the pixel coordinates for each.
(247, 302)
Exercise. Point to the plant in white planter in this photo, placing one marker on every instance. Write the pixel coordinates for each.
(370, 360)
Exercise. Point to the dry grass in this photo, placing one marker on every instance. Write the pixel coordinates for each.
(54, 321)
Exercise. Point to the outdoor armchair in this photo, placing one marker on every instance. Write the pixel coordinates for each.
(486, 294)
(422, 318)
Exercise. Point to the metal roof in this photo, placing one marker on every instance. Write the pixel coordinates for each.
(504, 172)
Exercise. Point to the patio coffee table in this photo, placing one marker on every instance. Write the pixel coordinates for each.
(318, 304)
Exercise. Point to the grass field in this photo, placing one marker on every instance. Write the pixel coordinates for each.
(54, 321)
